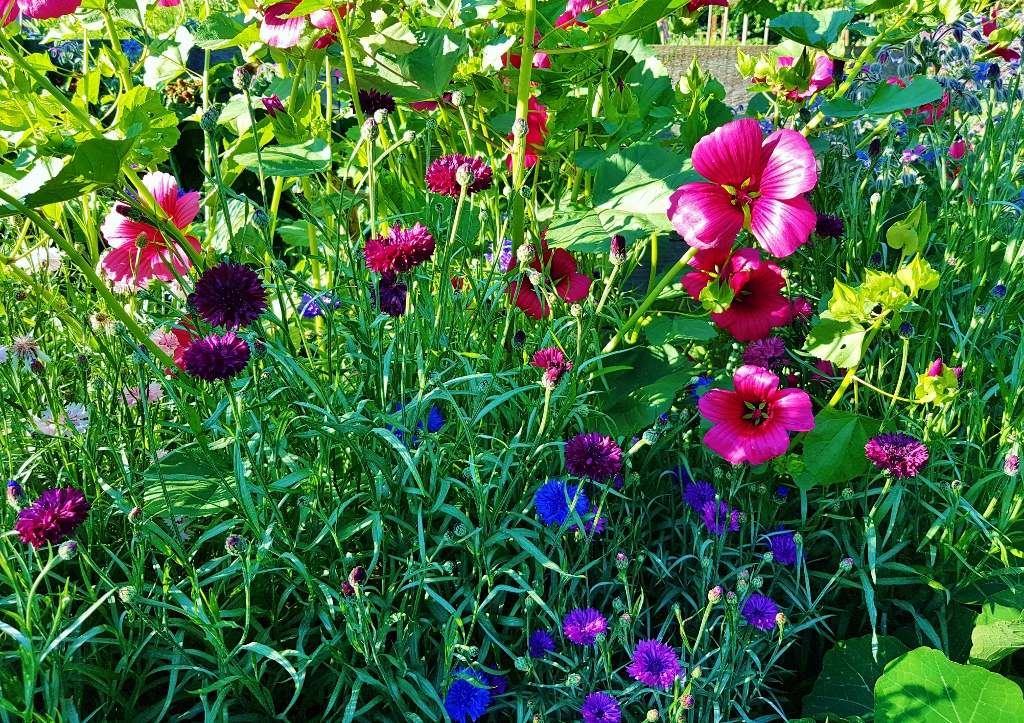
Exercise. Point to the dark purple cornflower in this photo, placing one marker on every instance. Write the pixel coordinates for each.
(541, 643)
(718, 518)
(592, 455)
(600, 708)
(52, 517)
(497, 682)
(782, 545)
(899, 453)
(760, 611)
(229, 295)
(371, 101)
(583, 626)
(592, 524)
(441, 175)
(829, 227)
(392, 294)
(655, 664)
(767, 353)
(699, 494)
(214, 357)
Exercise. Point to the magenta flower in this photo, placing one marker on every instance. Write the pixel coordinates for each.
(44, 9)
(558, 272)
(399, 251)
(754, 183)
(820, 79)
(752, 423)
(441, 179)
(592, 455)
(552, 360)
(583, 626)
(213, 358)
(575, 8)
(655, 664)
(138, 251)
(280, 31)
(274, 105)
(898, 453)
(958, 149)
(52, 517)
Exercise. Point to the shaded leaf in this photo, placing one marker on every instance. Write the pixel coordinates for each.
(290, 161)
(846, 684)
(834, 450)
(666, 329)
(96, 164)
(818, 29)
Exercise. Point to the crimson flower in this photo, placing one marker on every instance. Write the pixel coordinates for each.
(1005, 53)
(752, 423)
(557, 269)
(399, 251)
(757, 305)
(536, 130)
(575, 8)
(274, 105)
(754, 183)
(540, 60)
(695, 5)
(52, 517)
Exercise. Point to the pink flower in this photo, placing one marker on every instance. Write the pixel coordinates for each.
(752, 423)
(274, 106)
(800, 309)
(46, 9)
(9, 11)
(958, 149)
(540, 60)
(754, 183)
(821, 77)
(168, 3)
(1005, 53)
(552, 360)
(557, 269)
(400, 250)
(757, 306)
(139, 252)
(695, 5)
(132, 395)
(931, 111)
(536, 129)
(280, 31)
(575, 8)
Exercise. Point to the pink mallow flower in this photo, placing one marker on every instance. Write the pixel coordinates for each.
(536, 130)
(752, 424)
(280, 31)
(139, 252)
(575, 8)
(821, 77)
(958, 149)
(39, 9)
(755, 183)
(274, 105)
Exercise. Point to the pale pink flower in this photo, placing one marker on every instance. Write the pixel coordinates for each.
(280, 31)
(139, 252)
(75, 417)
(166, 340)
(752, 423)
(132, 395)
(755, 183)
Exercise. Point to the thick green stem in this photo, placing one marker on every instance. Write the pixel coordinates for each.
(522, 114)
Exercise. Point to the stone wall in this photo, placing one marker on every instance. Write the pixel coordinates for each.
(720, 60)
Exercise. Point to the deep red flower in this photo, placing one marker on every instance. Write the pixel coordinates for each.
(52, 517)
(1005, 53)
(558, 269)
(536, 130)
(695, 5)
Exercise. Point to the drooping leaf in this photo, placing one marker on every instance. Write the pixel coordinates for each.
(846, 685)
(834, 450)
(840, 342)
(430, 66)
(588, 230)
(639, 180)
(818, 29)
(290, 161)
(672, 329)
(923, 686)
(96, 164)
(887, 98)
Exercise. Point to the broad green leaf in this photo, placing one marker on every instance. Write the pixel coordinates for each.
(642, 387)
(195, 485)
(153, 127)
(846, 685)
(291, 161)
(846, 302)
(639, 180)
(671, 329)
(396, 39)
(430, 66)
(588, 230)
(900, 236)
(887, 98)
(818, 29)
(924, 687)
(834, 450)
(630, 17)
(998, 632)
(171, 61)
(221, 31)
(96, 164)
(917, 275)
(840, 342)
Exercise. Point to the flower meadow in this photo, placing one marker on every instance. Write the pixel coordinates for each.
(456, 362)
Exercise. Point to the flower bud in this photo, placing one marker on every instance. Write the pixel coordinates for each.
(847, 493)
(358, 576)
(141, 241)
(128, 594)
(573, 679)
(464, 175)
(209, 120)
(757, 582)
(731, 599)
(519, 340)
(526, 192)
(522, 664)
(369, 131)
(696, 673)
(998, 291)
(347, 589)
(380, 115)
(686, 701)
(715, 594)
(652, 715)
(650, 436)
(846, 565)
(402, 158)
(617, 252)
(741, 586)
(67, 550)
(905, 330)
(519, 128)
(37, 367)
(431, 124)
(768, 558)
(235, 545)
(780, 620)
(241, 77)
(458, 98)
(535, 277)
(526, 254)
(576, 311)
(15, 495)
(621, 561)
(409, 136)
(1011, 465)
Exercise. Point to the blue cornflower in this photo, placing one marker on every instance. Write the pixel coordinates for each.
(132, 50)
(702, 385)
(981, 74)
(540, 643)
(782, 545)
(466, 700)
(311, 306)
(767, 126)
(553, 498)
(435, 421)
(698, 494)
(864, 158)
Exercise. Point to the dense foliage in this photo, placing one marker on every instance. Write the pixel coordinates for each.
(344, 378)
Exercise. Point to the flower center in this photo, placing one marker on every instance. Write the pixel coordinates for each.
(757, 414)
(742, 196)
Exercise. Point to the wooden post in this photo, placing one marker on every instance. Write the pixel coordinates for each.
(712, 25)
(743, 38)
(767, 24)
(725, 25)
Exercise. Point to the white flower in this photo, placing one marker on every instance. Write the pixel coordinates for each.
(41, 258)
(76, 417)
(3, 354)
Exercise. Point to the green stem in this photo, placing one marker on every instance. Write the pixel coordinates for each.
(124, 72)
(522, 114)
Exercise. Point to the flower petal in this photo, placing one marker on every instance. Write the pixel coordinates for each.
(704, 215)
(573, 288)
(730, 155)
(727, 439)
(119, 230)
(792, 409)
(755, 384)
(721, 405)
(765, 441)
(695, 282)
(559, 264)
(278, 30)
(164, 188)
(527, 300)
(186, 209)
(788, 165)
(782, 226)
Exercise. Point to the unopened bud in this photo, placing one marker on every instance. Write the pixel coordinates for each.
(67, 550)
(409, 136)
(458, 98)
(209, 120)
(686, 701)
(260, 219)
(128, 594)
(464, 175)
(519, 128)
(431, 124)
(380, 115)
(846, 565)
(235, 545)
(369, 131)
(780, 620)
(650, 436)
(526, 254)
(715, 594)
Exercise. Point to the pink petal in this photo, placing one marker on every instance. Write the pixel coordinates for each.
(169, 3)
(764, 442)
(325, 19)
(280, 31)
(119, 230)
(695, 282)
(573, 288)
(712, 260)
(727, 440)
(788, 165)
(704, 215)
(9, 11)
(782, 226)
(754, 384)
(730, 155)
(120, 262)
(187, 209)
(792, 409)
(721, 405)
(48, 9)
(527, 300)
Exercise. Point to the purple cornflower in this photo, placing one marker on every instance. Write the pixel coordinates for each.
(497, 682)
(600, 708)
(213, 358)
(829, 227)
(899, 453)
(655, 664)
(229, 295)
(553, 499)
(441, 175)
(719, 518)
(464, 699)
(371, 101)
(767, 353)
(392, 295)
(504, 256)
(541, 643)
(400, 250)
(583, 626)
(310, 307)
(698, 494)
(52, 517)
(593, 456)
(760, 611)
(593, 524)
(782, 545)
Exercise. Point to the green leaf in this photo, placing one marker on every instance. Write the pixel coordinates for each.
(834, 450)
(670, 329)
(643, 389)
(840, 342)
(924, 687)
(630, 17)
(221, 31)
(639, 180)
(430, 66)
(917, 275)
(588, 230)
(887, 98)
(998, 632)
(96, 164)
(818, 29)
(290, 161)
(196, 485)
(846, 684)
(153, 127)
(171, 61)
